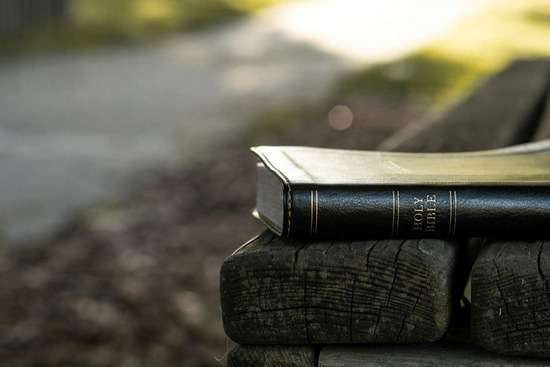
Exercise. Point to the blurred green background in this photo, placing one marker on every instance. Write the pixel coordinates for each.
(86, 23)
(437, 72)
(447, 67)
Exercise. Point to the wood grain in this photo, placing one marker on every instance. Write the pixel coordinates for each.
(280, 292)
(511, 298)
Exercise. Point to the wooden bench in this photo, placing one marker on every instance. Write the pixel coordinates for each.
(301, 309)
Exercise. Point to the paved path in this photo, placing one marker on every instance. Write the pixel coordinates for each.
(74, 127)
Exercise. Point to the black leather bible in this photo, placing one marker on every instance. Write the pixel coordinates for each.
(326, 193)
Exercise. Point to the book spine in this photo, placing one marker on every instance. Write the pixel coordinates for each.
(419, 212)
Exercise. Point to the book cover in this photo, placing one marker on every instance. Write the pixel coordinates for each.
(329, 193)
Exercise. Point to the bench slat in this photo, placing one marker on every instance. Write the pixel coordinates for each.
(503, 110)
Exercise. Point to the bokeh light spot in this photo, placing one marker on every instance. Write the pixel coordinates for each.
(340, 117)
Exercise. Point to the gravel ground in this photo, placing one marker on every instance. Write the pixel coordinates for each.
(135, 283)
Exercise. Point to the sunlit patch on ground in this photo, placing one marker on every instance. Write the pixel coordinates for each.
(370, 30)
(451, 65)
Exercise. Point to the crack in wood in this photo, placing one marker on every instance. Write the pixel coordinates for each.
(351, 309)
(506, 306)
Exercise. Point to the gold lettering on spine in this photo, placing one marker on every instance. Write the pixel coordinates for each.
(418, 214)
(393, 214)
(424, 213)
(431, 212)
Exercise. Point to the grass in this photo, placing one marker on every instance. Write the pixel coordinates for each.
(425, 76)
(95, 22)
(449, 67)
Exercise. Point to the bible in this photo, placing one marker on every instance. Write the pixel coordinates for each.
(328, 193)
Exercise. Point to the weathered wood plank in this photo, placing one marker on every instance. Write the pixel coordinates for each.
(271, 356)
(511, 298)
(505, 109)
(433, 355)
(280, 292)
